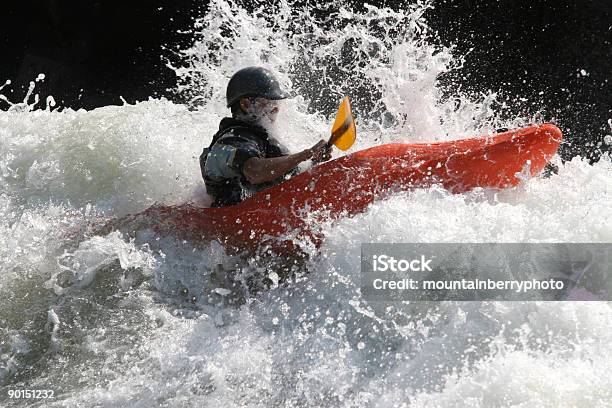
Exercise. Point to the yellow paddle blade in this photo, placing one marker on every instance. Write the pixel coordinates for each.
(344, 131)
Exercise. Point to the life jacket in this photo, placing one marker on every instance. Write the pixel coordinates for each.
(233, 191)
(222, 132)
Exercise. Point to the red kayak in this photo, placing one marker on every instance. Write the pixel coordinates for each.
(347, 185)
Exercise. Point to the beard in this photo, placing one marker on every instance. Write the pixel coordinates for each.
(264, 117)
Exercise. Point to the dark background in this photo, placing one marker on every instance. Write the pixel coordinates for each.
(95, 51)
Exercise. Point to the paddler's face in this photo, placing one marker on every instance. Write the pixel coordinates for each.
(260, 108)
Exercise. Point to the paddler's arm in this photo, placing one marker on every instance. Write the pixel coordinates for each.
(257, 170)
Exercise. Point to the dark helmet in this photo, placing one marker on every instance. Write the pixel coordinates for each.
(253, 81)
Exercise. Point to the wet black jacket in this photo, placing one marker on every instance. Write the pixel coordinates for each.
(223, 161)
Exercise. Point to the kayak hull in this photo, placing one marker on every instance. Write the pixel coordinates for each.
(348, 185)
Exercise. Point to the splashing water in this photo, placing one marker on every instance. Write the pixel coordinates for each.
(25, 106)
(381, 58)
(144, 321)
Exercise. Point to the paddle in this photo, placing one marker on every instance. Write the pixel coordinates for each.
(344, 131)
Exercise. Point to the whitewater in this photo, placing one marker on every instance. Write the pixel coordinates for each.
(141, 319)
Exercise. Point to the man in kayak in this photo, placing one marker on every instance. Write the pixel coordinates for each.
(243, 158)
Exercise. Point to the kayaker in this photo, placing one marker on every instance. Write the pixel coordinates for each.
(243, 158)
